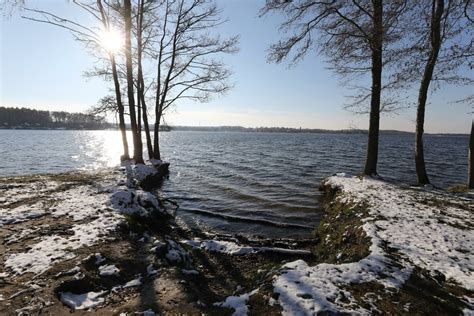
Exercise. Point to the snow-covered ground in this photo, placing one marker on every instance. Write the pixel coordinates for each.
(408, 228)
(50, 222)
(94, 211)
(21, 213)
(428, 229)
(79, 204)
(19, 192)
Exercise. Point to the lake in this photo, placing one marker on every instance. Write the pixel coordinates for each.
(250, 183)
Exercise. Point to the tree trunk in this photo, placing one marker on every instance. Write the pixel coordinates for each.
(118, 93)
(156, 140)
(144, 112)
(139, 108)
(137, 141)
(157, 153)
(374, 123)
(146, 126)
(435, 39)
(141, 82)
(139, 61)
(470, 182)
(118, 96)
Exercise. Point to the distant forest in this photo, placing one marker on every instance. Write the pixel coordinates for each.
(23, 118)
(288, 130)
(263, 129)
(275, 130)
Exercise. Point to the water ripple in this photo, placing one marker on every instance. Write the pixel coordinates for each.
(250, 183)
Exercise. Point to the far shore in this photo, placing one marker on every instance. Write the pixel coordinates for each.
(240, 129)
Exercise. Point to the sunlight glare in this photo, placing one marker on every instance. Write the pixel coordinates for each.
(111, 40)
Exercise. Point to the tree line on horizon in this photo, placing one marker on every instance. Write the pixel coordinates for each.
(393, 45)
(14, 117)
(279, 129)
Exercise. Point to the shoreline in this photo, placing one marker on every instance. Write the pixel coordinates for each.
(171, 269)
(239, 129)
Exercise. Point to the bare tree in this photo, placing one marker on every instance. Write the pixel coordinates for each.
(446, 23)
(185, 53)
(434, 50)
(353, 35)
(435, 41)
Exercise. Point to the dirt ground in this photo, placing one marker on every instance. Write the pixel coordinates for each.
(170, 289)
(161, 273)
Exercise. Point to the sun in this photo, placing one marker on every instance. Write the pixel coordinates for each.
(111, 40)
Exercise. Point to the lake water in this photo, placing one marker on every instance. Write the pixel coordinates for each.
(250, 183)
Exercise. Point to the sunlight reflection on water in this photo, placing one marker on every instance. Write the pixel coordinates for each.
(98, 148)
(39, 151)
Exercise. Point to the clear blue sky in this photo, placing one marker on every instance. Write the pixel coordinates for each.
(42, 67)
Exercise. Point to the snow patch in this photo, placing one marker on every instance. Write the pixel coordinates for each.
(18, 192)
(82, 301)
(55, 248)
(219, 246)
(21, 213)
(72, 271)
(79, 203)
(238, 303)
(108, 270)
(233, 248)
(133, 283)
(22, 234)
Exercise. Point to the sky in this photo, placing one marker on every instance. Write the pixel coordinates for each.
(42, 67)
